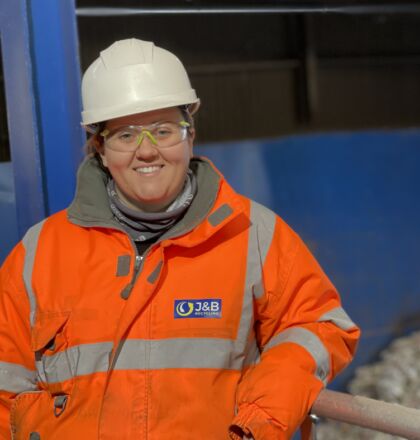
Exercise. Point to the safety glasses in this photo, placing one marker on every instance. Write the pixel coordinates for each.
(161, 134)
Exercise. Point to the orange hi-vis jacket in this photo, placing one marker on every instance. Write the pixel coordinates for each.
(227, 325)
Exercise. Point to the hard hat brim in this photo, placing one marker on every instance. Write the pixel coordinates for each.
(100, 115)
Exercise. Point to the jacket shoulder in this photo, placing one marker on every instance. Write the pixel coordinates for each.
(59, 219)
(47, 230)
(265, 220)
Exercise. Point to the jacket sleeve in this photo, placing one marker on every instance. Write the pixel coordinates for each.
(304, 336)
(17, 365)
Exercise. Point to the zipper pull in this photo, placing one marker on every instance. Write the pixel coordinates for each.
(137, 263)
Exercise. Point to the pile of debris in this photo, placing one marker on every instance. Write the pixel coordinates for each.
(395, 378)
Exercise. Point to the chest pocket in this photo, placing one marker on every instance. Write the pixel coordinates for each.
(55, 361)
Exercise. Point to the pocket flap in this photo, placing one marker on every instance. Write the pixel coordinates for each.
(47, 326)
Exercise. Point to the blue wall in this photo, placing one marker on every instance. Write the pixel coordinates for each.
(354, 199)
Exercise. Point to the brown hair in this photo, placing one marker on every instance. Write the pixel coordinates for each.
(94, 141)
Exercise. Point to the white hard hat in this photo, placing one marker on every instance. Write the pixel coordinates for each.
(134, 76)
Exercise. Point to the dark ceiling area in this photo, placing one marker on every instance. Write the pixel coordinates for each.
(266, 75)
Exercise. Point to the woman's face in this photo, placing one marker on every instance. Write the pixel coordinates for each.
(149, 178)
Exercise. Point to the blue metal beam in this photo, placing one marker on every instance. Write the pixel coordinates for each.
(42, 80)
(55, 58)
(21, 114)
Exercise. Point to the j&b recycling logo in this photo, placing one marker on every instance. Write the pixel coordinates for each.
(198, 308)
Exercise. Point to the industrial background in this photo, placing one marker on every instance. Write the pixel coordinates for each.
(311, 108)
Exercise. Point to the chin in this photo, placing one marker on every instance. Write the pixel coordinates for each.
(152, 204)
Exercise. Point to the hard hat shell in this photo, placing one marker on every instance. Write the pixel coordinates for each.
(134, 76)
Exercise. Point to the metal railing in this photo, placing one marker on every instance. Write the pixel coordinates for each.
(369, 413)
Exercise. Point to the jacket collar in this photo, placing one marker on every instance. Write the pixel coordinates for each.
(214, 205)
(90, 206)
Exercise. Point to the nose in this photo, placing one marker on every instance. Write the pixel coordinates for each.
(146, 146)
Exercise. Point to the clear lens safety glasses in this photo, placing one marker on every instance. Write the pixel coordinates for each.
(161, 134)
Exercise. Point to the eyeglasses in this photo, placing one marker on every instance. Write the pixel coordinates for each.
(161, 134)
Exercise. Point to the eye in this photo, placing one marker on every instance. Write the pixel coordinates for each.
(125, 135)
(162, 131)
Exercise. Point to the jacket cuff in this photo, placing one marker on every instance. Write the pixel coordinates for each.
(252, 420)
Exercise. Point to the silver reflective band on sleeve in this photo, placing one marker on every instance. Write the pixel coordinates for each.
(30, 243)
(261, 234)
(338, 317)
(16, 379)
(310, 342)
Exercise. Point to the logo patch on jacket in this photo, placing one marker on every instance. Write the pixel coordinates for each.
(198, 308)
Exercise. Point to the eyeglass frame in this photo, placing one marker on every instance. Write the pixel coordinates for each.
(146, 130)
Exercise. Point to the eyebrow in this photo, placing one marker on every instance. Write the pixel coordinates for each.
(144, 125)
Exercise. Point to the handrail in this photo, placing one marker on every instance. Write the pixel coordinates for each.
(369, 413)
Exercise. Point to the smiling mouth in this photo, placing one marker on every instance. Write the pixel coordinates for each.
(148, 170)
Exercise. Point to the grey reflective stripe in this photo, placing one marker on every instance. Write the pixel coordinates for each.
(310, 342)
(174, 353)
(262, 223)
(178, 353)
(338, 317)
(261, 235)
(30, 242)
(16, 379)
(123, 265)
(79, 360)
(220, 214)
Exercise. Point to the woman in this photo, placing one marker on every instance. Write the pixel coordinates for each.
(161, 304)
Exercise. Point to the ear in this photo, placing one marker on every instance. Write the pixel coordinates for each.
(99, 148)
(191, 137)
(103, 157)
